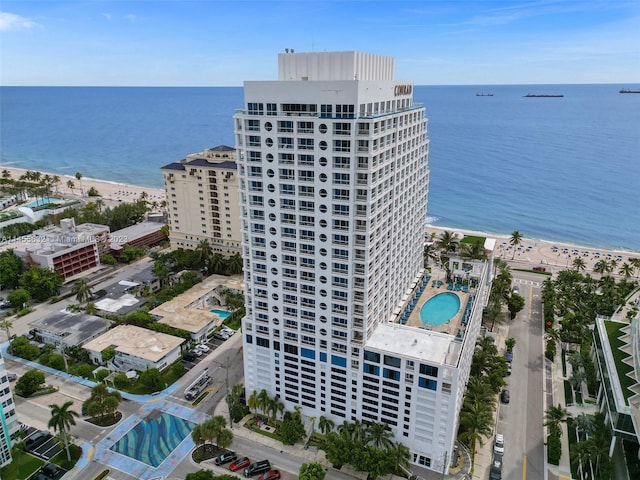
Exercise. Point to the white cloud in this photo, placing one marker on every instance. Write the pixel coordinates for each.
(131, 17)
(107, 16)
(11, 21)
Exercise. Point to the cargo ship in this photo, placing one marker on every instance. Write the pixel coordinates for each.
(541, 95)
(626, 90)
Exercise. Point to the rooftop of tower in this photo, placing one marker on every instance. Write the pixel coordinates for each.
(322, 66)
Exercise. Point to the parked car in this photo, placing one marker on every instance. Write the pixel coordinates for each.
(258, 467)
(516, 289)
(196, 352)
(228, 331)
(203, 348)
(36, 439)
(508, 356)
(504, 396)
(239, 464)
(221, 336)
(191, 356)
(495, 473)
(226, 457)
(11, 376)
(50, 470)
(270, 475)
(498, 445)
(508, 369)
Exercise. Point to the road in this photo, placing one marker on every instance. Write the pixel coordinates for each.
(521, 420)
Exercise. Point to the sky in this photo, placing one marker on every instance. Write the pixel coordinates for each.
(225, 42)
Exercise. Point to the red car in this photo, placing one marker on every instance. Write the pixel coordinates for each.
(270, 475)
(239, 464)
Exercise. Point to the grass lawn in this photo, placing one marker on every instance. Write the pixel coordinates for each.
(473, 239)
(613, 332)
(28, 465)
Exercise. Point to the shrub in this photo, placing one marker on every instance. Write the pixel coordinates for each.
(550, 351)
(101, 374)
(29, 383)
(93, 192)
(121, 381)
(554, 449)
(56, 361)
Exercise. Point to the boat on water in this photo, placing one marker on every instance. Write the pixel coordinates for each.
(484, 94)
(541, 95)
(626, 90)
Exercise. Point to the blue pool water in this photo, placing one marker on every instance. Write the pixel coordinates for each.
(440, 309)
(154, 438)
(42, 201)
(221, 313)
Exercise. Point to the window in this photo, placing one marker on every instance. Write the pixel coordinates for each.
(305, 143)
(341, 146)
(285, 126)
(392, 361)
(428, 370)
(371, 356)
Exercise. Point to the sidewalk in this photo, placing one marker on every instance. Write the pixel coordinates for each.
(554, 398)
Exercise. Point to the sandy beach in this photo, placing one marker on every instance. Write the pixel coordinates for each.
(553, 256)
(112, 193)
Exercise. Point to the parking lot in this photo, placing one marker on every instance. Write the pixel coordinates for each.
(212, 343)
(44, 445)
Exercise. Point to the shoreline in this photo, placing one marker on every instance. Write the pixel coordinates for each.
(540, 253)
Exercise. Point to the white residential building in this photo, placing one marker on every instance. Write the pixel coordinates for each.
(333, 180)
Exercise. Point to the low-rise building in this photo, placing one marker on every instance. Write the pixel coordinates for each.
(144, 235)
(135, 348)
(67, 329)
(194, 310)
(69, 249)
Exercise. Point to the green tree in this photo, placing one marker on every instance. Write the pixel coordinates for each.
(204, 252)
(18, 298)
(311, 471)
(448, 242)
(152, 379)
(129, 253)
(18, 446)
(476, 420)
(224, 438)
(121, 381)
(79, 178)
(515, 241)
(579, 264)
(234, 264)
(291, 429)
(61, 420)
(82, 290)
(510, 343)
(6, 325)
(108, 353)
(252, 401)
(21, 347)
(11, 267)
(263, 401)
(378, 435)
(554, 417)
(41, 283)
(325, 425)
(515, 304)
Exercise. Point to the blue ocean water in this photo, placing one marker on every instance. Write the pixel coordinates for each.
(561, 169)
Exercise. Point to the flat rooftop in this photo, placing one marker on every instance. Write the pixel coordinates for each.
(190, 310)
(74, 327)
(136, 341)
(427, 345)
(134, 232)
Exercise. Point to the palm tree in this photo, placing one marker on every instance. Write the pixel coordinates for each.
(515, 240)
(400, 455)
(263, 401)
(79, 178)
(325, 424)
(476, 420)
(554, 416)
(224, 438)
(61, 420)
(204, 254)
(162, 272)
(217, 263)
(626, 270)
(235, 264)
(71, 185)
(377, 435)
(448, 241)
(82, 290)
(6, 174)
(18, 446)
(6, 325)
(430, 253)
(55, 181)
(579, 264)
(197, 434)
(252, 401)
(635, 263)
(584, 424)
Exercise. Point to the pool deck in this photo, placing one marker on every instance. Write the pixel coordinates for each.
(450, 327)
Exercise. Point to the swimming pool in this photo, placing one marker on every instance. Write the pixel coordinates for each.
(42, 201)
(439, 309)
(221, 313)
(154, 438)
